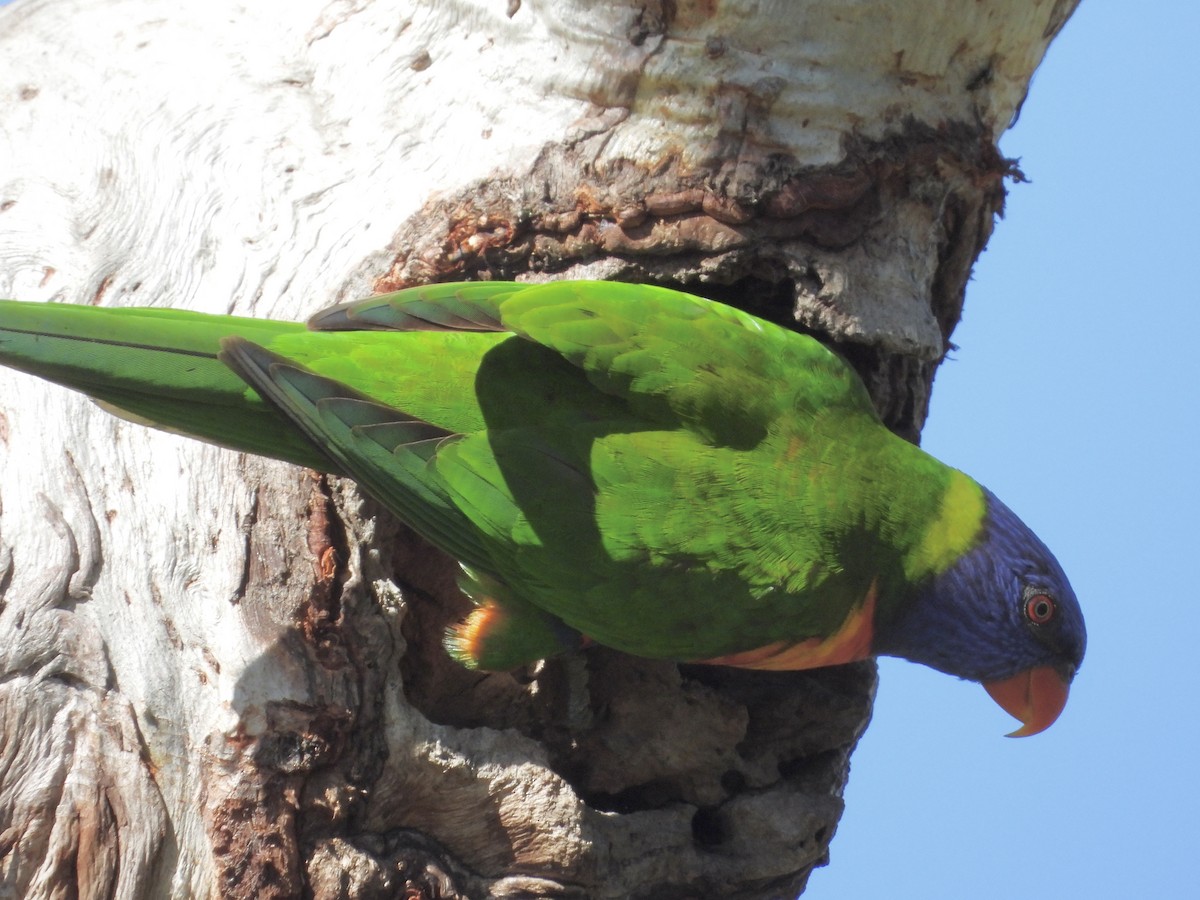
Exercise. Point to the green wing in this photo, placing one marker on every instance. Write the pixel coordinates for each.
(648, 502)
(386, 451)
(673, 357)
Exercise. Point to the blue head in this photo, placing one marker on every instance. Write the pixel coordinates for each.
(1004, 615)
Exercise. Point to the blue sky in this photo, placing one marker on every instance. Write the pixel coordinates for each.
(1075, 396)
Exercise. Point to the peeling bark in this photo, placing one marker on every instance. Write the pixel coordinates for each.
(221, 676)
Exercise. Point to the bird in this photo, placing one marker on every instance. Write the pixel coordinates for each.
(615, 464)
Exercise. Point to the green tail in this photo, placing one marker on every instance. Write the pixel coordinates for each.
(156, 367)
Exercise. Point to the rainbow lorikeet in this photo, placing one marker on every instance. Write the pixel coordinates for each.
(611, 463)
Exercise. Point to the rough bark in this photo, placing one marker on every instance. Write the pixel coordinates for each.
(223, 676)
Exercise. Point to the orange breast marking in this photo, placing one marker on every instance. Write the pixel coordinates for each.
(850, 643)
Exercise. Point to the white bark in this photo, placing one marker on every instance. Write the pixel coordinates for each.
(204, 681)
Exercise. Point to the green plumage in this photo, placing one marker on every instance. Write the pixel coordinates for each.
(662, 474)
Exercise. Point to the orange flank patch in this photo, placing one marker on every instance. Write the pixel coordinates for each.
(850, 643)
(474, 630)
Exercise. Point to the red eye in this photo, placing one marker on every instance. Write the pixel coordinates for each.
(1039, 609)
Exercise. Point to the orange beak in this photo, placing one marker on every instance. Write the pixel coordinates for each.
(1035, 696)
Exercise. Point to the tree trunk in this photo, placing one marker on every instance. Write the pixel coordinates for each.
(222, 675)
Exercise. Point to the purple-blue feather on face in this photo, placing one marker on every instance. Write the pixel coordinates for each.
(1004, 615)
